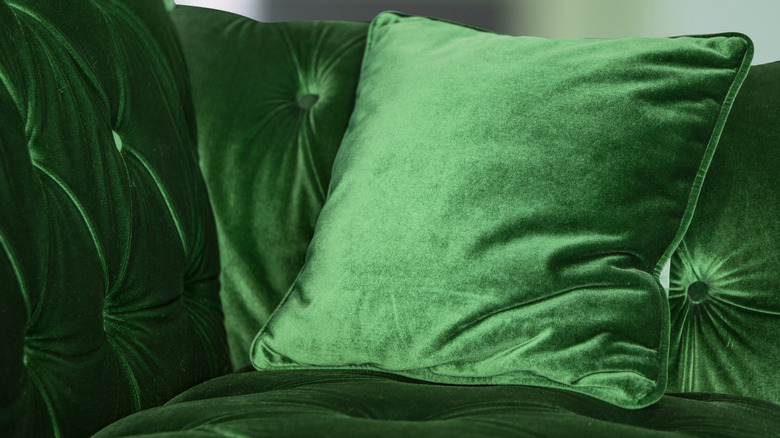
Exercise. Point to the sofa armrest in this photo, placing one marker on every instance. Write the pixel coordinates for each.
(109, 290)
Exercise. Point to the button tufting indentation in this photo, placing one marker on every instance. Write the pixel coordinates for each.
(117, 141)
(698, 291)
(307, 100)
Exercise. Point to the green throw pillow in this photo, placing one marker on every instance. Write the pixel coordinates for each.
(501, 207)
(725, 277)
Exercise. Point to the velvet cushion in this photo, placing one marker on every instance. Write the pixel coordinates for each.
(109, 290)
(725, 277)
(501, 207)
(316, 403)
(273, 101)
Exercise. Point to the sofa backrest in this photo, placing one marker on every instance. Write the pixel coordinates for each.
(273, 101)
(725, 276)
(108, 254)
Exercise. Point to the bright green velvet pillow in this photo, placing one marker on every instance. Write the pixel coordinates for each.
(725, 277)
(501, 207)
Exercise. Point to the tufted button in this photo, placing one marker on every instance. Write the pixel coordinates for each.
(307, 100)
(698, 291)
(117, 141)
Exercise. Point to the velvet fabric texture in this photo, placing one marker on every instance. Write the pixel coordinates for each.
(314, 403)
(273, 101)
(501, 207)
(725, 277)
(109, 291)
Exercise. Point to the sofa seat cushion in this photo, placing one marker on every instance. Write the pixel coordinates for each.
(296, 403)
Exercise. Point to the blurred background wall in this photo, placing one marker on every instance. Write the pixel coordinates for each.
(549, 18)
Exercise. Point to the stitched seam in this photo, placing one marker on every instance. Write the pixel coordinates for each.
(129, 372)
(83, 213)
(17, 268)
(46, 401)
(163, 191)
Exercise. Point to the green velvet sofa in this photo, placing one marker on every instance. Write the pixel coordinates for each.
(169, 265)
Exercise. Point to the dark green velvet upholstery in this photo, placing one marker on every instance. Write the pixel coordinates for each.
(273, 101)
(108, 253)
(725, 278)
(501, 207)
(365, 404)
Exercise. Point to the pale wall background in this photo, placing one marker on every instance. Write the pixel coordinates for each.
(759, 19)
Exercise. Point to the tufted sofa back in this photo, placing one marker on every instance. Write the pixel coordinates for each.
(725, 289)
(273, 101)
(108, 253)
